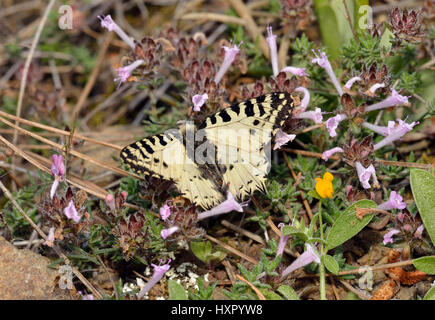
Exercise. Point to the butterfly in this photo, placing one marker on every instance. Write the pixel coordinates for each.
(229, 150)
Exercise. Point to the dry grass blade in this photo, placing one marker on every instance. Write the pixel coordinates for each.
(72, 152)
(87, 186)
(214, 17)
(231, 249)
(59, 131)
(28, 61)
(251, 27)
(259, 294)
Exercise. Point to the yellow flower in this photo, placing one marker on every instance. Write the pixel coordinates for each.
(324, 185)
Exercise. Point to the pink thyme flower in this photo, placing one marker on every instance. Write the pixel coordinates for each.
(419, 232)
(388, 237)
(316, 115)
(332, 124)
(407, 227)
(378, 129)
(71, 212)
(395, 132)
(323, 62)
(226, 206)
(306, 99)
(230, 55)
(394, 99)
(295, 70)
(371, 91)
(350, 83)
(110, 201)
(282, 241)
(271, 42)
(124, 195)
(364, 175)
(326, 154)
(58, 167)
(394, 202)
(108, 23)
(198, 101)
(125, 72)
(281, 138)
(304, 259)
(86, 296)
(58, 171)
(165, 233)
(50, 238)
(165, 212)
(159, 272)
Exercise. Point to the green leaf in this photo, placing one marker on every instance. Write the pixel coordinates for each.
(425, 264)
(361, 13)
(430, 295)
(176, 291)
(328, 26)
(423, 190)
(313, 193)
(203, 251)
(330, 263)
(270, 295)
(288, 292)
(348, 225)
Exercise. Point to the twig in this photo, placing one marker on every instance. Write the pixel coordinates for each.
(70, 180)
(404, 164)
(283, 51)
(279, 233)
(56, 249)
(214, 17)
(251, 27)
(73, 152)
(258, 292)
(358, 293)
(334, 288)
(59, 131)
(230, 271)
(232, 250)
(28, 61)
(361, 212)
(350, 21)
(90, 83)
(378, 267)
(380, 161)
(244, 232)
(110, 276)
(302, 194)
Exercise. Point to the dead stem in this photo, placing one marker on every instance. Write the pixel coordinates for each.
(251, 27)
(213, 17)
(59, 131)
(380, 161)
(244, 232)
(361, 212)
(259, 294)
(302, 194)
(27, 64)
(73, 152)
(232, 250)
(93, 77)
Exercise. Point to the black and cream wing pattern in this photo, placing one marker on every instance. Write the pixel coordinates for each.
(230, 148)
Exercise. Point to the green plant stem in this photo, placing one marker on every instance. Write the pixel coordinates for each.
(322, 266)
